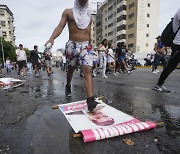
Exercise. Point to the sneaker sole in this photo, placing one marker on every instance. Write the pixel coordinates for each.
(165, 91)
(68, 95)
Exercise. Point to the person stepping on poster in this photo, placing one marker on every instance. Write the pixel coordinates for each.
(79, 25)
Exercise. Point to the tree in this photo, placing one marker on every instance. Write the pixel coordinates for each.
(9, 51)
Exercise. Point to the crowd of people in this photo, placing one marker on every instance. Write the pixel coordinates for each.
(103, 58)
(25, 64)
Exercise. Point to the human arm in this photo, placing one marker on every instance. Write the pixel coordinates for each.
(58, 30)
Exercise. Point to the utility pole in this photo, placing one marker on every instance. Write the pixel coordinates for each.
(2, 48)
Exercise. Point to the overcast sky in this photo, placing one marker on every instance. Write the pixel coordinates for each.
(36, 19)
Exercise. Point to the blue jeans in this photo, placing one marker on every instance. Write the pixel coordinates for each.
(160, 58)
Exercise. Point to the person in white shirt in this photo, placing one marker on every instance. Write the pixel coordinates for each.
(8, 65)
(103, 57)
(21, 60)
(175, 55)
(111, 59)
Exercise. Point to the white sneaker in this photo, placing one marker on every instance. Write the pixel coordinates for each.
(154, 72)
(128, 72)
(160, 88)
(157, 70)
(105, 76)
(115, 74)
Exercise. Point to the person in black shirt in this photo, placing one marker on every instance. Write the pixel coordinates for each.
(121, 55)
(34, 57)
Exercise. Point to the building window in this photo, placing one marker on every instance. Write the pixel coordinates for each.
(148, 15)
(110, 25)
(131, 26)
(147, 44)
(131, 5)
(123, 7)
(131, 15)
(105, 35)
(148, 5)
(3, 23)
(2, 12)
(130, 45)
(105, 27)
(147, 25)
(119, 1)
(130, 35)
(110, 16)
(110, 33)
(98, 24)
(123, 17)
(110, 8)
(122, 27)
(147, 35)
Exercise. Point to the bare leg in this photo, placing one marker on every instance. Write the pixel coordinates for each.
(125, 67)
(70, 74)
(24, 71)
(88, 80)
(114, 67)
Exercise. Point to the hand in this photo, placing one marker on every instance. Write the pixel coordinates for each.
(49, 41)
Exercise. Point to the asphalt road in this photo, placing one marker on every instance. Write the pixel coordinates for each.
(28, 125)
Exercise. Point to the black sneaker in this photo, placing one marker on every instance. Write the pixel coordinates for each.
(93, 105)
(68, 90)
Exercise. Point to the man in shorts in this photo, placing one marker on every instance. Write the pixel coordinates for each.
(34, 57)
(79, 26)
(21, 60)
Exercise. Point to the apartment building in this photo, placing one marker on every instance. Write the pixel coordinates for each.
(142, 24)
(132, 21)
(6, 24)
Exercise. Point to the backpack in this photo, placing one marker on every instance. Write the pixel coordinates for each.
(168, 34)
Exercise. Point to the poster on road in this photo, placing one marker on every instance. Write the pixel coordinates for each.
(106, 123)
(7, 83)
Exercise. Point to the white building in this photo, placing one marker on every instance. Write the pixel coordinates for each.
(7, 24)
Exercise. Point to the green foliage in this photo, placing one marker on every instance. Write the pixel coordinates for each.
(9, 50)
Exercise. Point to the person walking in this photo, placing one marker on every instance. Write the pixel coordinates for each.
(34, 57)
(111, 59)
(47, 56)
(175, 55)
(121, 55)
(21, 60)
(95, 61)
(8, 65)
(160, 55)
(103, 57)
(79, 25)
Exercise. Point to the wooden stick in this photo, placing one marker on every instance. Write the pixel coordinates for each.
(77, 135)
(55, 107)
(159, 124)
